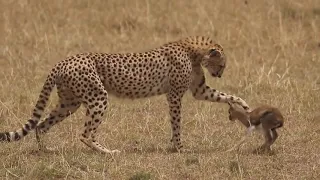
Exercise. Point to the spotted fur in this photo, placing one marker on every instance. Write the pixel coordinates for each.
(88, 78)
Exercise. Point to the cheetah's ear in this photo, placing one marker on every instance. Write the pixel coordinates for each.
(214, 53)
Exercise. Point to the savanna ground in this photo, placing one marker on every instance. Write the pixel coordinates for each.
(273, 57)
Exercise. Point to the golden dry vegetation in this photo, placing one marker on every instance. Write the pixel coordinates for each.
(273, 57)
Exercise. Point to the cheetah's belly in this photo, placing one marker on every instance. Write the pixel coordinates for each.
(139, 88)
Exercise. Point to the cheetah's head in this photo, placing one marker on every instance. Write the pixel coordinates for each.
(214, 60)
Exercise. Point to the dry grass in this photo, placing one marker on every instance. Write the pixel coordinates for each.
(274, 58)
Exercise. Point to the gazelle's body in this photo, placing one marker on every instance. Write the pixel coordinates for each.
(264, 119)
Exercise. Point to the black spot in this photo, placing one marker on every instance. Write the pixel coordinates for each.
(16, 136)
(4, 136)
(36, 115)
(195, 92)
(32, 123)
(218, 98)
(39, 108)
(27, 127)
(203, 80)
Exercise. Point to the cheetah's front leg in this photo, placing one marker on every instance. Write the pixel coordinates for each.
(201, 91)
(174, 100)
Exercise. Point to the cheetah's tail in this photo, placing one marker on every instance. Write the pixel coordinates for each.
(36, 115)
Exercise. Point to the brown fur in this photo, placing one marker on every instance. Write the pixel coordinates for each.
(265, 118)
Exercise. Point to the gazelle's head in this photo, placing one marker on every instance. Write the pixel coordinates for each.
(237, 112)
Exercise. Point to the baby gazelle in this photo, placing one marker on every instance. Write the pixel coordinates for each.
(265, 119)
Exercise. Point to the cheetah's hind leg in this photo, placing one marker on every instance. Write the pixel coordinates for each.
(68, 104)
(88, 137)
(94, 115)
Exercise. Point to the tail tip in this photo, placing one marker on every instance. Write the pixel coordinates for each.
(5, 136)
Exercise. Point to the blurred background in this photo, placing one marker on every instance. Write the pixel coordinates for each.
(273, 50)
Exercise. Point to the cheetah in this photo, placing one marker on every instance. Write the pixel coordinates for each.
(87, 79)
